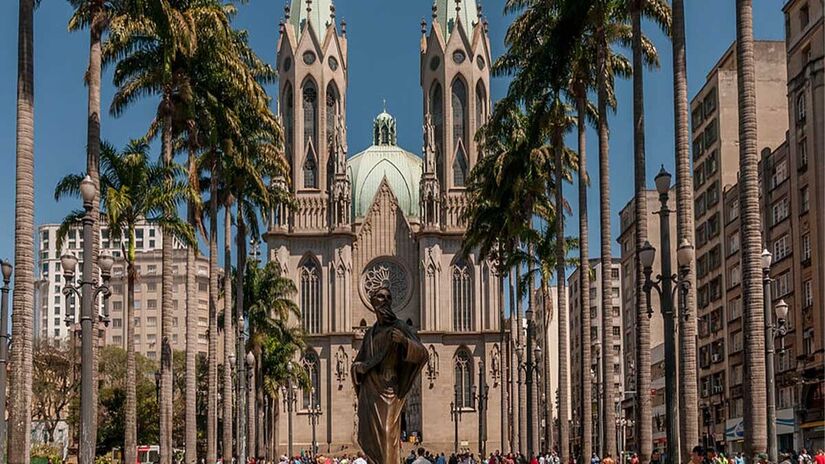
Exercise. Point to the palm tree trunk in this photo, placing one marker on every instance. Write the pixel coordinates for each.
(564, 430)
(20, 396)
(252, 420)
(260, 407)
(608, 392)
(167, 308)
(130, 427)
(92, 170)
(754, 387)
(643, 410)
(688, 416)
(586, 405)
(522, 385)
(228, 344)
(212, 375)
(191, 376)
(547, 392)
(504, 380)
(239, 313)
(512, 366)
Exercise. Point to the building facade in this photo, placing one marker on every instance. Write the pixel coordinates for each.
(388, 217)
(627, 240)
(53, 307)
(615, 387)
(715, 135)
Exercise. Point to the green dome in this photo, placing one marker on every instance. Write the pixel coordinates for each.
(384, 159)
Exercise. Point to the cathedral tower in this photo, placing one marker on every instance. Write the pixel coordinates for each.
(455, 80)
(312, 64)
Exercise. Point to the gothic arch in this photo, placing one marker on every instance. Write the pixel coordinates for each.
(288, 105)
(436, 105)
(309, 112)
(333, 109)
(461, 280)
(463, 377)
(309, 279)
(481, 104)
(312, 395)
(460, 130)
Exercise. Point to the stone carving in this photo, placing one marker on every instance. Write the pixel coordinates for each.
(341, 366)
(495, 364)
(432, 366)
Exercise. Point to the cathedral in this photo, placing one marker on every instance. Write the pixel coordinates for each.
(387, 216)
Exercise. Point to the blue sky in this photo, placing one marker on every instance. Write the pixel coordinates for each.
(384, 57)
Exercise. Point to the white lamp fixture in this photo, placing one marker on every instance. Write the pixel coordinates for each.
(87, 190)
(663, 181)
(647, 254)
(767, 259)
(7, 269)
(68, 263)
(781, 310)
(105, 261)
(684, 255)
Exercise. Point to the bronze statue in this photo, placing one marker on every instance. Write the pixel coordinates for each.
(390, 358)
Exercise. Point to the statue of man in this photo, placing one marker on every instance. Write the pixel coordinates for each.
(390, 358)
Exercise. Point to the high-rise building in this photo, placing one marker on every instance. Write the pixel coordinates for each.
(715, 135)
(53, 307)
(627, 240)
(801, 385)
(612, 387)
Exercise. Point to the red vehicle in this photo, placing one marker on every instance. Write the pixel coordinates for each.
(148, 454)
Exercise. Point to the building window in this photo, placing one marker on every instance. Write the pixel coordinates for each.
(736, 342)
(310, 277)
(733, 211)
(481, 104)
(462, 296)
(289, 117)
(804, 199)
(437, 112)
(780, 173)
(806, 248)
(310, 109)
(780, 210)
(808, 342)
(463, 379)
(312, 395)
(802, 153)
(782, 285)
(781, 248)
(804, 16)
(734, 309)
(332, 118)
(459, 113)
(801, 108)
(711, 133)
(151, 322)
(807, 294)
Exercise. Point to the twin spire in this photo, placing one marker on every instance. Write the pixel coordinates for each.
(317, 13)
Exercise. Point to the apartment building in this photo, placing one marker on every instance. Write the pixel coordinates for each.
(715, 136)
(802, 382)
(577, 337)
(53, 307)
(657, 400)
(627, 240)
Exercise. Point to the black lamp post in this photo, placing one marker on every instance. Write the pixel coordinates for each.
(88, 290)
(314, 413)
(7, 269)
(290, 401)
(665, 285)
(767, 258)
(480, 399)
(455, 409)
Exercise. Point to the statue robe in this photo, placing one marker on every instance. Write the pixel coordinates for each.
(382, 390)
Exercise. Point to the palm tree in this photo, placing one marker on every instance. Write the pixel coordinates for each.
(23, 299)
(688, 383)
(132, 189)
(754, 323)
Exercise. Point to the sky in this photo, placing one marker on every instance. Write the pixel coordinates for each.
(384, 64)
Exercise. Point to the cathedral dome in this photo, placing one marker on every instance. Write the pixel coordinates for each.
(384, 159)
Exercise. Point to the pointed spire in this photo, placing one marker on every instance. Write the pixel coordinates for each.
(423, 25)
(465, 11)
(332, 12)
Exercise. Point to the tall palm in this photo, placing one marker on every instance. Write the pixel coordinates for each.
(754, 323)
(20, 398)
(152, 48)
(688, 383)
(132, 189)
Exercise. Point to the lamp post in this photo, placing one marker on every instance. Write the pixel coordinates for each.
(481, 401)
(234, 414)
(241, 397)
(314, 413)
(88, 290)
(664, 286)
(455, 409)
(767, 258)
(249, 412)
(529, 381)
(4, 351)
(520, 365)
(596, 373)
(290, 400)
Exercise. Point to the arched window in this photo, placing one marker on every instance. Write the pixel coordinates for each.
(310, 108)
(312, 395)
(481, 104)
(310, 280)
(289, 120)
(462, 296)
(463, 379)
(459, 113)
(801, 110)
(332, 116)
(437, 113)
(385, 135)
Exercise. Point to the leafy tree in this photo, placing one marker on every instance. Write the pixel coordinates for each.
(55, 383)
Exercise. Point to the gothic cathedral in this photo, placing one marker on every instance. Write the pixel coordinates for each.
(388, 217)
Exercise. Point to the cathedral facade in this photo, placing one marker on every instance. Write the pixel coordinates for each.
(388, 217)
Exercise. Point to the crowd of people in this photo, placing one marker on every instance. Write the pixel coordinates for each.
(699, 455)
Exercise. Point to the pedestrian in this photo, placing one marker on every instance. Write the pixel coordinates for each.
(608, 459)
(655, 458)
(820, 456)
(634, 459)
(421, 459)
(595, 459)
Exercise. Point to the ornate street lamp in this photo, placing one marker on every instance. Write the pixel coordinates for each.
(88, 290)
(529, 381)
(480, 399)
(665, 285)
(290, 401)
(7, 270)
